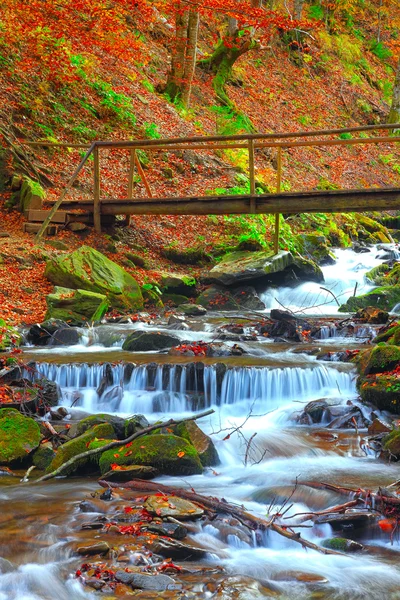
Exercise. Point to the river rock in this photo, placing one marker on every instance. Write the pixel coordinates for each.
(151, 341)
(192, 310)
(43, 456)
(315, 246)
(379, 426)
(373, 315)
(130, 472)
(348, 520)
(88, 269)
(168, 454)
(79, 445)
(172, 506)
(380, 359)
(384, 298)
(6, 566)
(19, 435)
(217, 297)
(117, 423)
(146, 581)
(175, 283)
(75, 305)
(236, 267)
(40, 335)
(172, 530)
(98, 548)
(204, 445)
(177, 550)
(314, 412)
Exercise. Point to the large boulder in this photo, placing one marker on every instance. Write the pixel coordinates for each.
(190, 431)
(381, 359)
(218, 297)
(76, 305)
(243, 266)
(117, 423)
(384, 298)
(88, 269)
(175, 283)
(169, 454)
(19, 436)
(149, 341)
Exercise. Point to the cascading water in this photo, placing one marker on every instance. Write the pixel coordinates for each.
(259, 400)
(342, 279)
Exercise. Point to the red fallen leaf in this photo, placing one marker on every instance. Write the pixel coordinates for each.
(128, 509)
(128, 445)
(128, 453)
(387, 525)
(116, 455)
(180, 454)
(78, 573)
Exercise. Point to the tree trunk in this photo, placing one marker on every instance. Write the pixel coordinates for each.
(298, 9)
(394, 114)
(190, 58)
(176, 74)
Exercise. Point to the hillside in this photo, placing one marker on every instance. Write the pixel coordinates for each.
(338, 73)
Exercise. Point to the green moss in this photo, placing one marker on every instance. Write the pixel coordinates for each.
(188, 256)
(384, 298)
(43, 456)
(88, 269)
(9, 336)
(381, 359)
(174, 299)
(19, 435)
(76, 305)
(377, 274)
(77, 446)
(191, 432)
(159, 451)
(391, 443)
(117, 423)
(382, 391)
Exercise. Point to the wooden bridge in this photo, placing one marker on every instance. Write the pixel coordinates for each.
(353, 200)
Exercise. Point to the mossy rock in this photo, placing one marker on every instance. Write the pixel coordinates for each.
(176, 283)
(382, 391)
(372, 226)
(88, 269)
(385, 298)
(136, 260)
(315, 246)
(169, 454)
(381, 359)
(204, 445)
(118, 424)
(391, 443)
(19, 435)
(150, 341)
(222, 298)
(31, 194)
(342, 545)
(78, 306)
(77, 446)
(236, 267)
(188, 256)
(43, 456)
(390, 336)
(377, 274)
(174, 299)
(151, 298)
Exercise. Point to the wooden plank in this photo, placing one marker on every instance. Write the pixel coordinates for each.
(252, 176)
(40, 215)
(96, 199)
(132, 155)
(142, 175)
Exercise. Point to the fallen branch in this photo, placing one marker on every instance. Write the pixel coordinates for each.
(117, 443)
(220, 506)
(382, 496)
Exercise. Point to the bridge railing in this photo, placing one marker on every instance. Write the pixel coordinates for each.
(248, 142)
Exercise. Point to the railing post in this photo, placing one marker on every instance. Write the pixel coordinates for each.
(252, 177)
(96, 200)
(278, 189)
(131, 173)
(142, 174)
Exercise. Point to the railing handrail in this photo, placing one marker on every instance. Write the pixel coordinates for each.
(217, 138)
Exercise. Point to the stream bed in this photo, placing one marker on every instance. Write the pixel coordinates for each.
(262, 392)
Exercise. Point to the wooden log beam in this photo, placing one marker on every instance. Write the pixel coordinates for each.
(287, 202)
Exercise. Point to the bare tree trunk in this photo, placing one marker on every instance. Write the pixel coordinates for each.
(394, 114)
(190, 58)
(175, 76)
(298, 9)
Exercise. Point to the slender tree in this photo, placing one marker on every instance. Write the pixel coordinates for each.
(394, 114)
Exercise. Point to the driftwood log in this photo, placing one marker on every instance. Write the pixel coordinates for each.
(216, 505)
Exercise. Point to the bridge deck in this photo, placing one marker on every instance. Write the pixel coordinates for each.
(285, 202)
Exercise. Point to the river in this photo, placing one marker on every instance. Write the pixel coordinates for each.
(263, 392)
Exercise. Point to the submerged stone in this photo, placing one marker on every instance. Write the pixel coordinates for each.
(151, 341)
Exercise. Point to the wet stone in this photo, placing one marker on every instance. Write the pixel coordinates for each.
(131, 472)
(98, 548)
(147, 582)
(379, 426)
(172, 506)
(177, 550)
(173, 530)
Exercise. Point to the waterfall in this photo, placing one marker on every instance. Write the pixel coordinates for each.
(152, 388)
